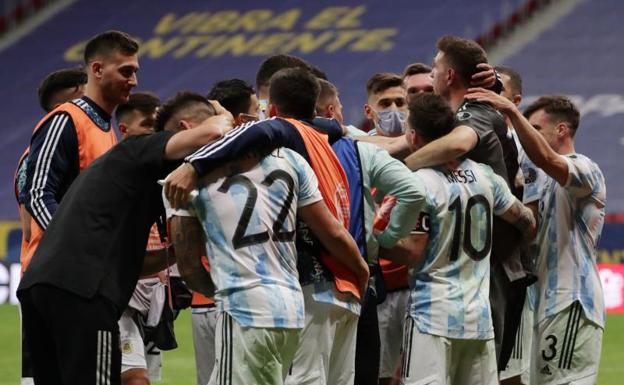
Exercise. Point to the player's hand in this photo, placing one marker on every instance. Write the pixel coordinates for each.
(486, 78)
(499, 102)
(362, 279)
(179, 185)
(225, 117)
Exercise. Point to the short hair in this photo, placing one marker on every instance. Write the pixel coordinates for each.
(558, 107)
(430, 116)
(416, 69)
(328, 91)
(107, 42)
(173, 108)
(233, 94)
(144, 102)
(382, 81)
(58, 81)
(294, 91)
(463, 55)
(282, 61)
(515, 80)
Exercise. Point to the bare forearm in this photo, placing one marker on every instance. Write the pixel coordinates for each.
(450, 147)
(522, 218)
(157, 260)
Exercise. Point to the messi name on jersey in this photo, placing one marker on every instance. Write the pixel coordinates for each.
(460, 176)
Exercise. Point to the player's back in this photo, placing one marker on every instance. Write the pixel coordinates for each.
(450, 288)
(248, 211)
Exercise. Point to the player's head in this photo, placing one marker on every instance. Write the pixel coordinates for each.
(272, 65)
(455, 63)
(138, 115)
(328, 104)
(183, 111)
(430, 118)
(61, 86)
(512, 84)
(293, 94)
(238, 97)
(556, 118)
(386, 104)
(417, 79)
(111, 62)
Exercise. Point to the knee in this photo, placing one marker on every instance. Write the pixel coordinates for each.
(135, 377)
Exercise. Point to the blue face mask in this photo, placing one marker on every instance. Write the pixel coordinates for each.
(391, 122)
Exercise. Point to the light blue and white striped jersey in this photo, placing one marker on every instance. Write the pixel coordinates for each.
(249, 220)
(450, 289)
(569, 227)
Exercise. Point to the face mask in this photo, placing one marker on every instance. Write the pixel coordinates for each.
(263, 112)
(391, 122)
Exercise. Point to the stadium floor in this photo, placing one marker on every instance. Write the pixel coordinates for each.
(179, 365)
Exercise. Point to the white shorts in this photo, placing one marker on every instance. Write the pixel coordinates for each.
(204, 324)
(246, 355)
(435, 360)
(391, 314)
(326, 353)
(520, 361)
(566, 349)
(134, 353)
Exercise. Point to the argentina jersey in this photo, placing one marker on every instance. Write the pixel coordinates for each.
(450, 288)
(248, 213)
(570, 223)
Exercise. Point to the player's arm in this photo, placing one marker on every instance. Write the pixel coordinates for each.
(534, 144)
(521, 217)
(397, 146)
(445, 149)
(407, 251)
(157, 260)
(187, 236)
(336, 239)
(53, 157)
(25, 222)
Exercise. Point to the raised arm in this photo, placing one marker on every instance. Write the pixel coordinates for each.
(336, 239)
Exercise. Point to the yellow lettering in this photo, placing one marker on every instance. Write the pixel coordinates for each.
(307, 42)
(213, 42)
(254, 21)
(237, 45)
(219, 22)
(285, 21)
(190, 44)
(375, 40)
(185, 24)
(75, 52)
(5, 229)
(271, 44)
(155, 47)
(343, 38)
(337, 17)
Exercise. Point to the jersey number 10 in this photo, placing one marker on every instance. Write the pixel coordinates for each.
(466, 218)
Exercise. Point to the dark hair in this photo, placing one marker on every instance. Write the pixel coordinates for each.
(382, 81)
(144, 102)
(58, 81)
(328, 91)
(233, 94)
(430, 116)
(282, 61)
(463, 55)
(416, 69)
(294, 92)
(109, 41)
(515, 81)
(558, 108)
(180, 102)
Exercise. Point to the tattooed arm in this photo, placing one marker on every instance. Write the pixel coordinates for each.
(522, 218)
(188, 240)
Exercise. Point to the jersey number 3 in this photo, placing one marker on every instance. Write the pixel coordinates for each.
(241, 239)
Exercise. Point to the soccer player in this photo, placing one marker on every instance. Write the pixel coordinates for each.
(448, 337)
(569, 319)
(238, 97)
(88, 263)
(386, 104)
(247, 210)
(57, 88)
(417, 79)
(328, 104)
(137, 116)
(517, 370)
(74, 134)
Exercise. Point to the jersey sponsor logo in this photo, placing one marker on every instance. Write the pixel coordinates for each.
(531, 176)
(463, 115)
(460, 176)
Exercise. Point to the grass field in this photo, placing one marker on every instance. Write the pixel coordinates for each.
(179, 364)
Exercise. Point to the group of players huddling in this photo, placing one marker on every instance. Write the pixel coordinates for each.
(454, 243)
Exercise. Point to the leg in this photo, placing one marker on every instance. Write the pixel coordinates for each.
(204, 325)
(391, 325)
(342, 361)
(133, 362)
(474, 362)
(426, 358)
(368, 344)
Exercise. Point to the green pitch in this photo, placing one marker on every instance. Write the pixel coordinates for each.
(179, 364)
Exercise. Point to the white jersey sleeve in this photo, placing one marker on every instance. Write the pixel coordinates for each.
(503, 198)
(583, 176)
